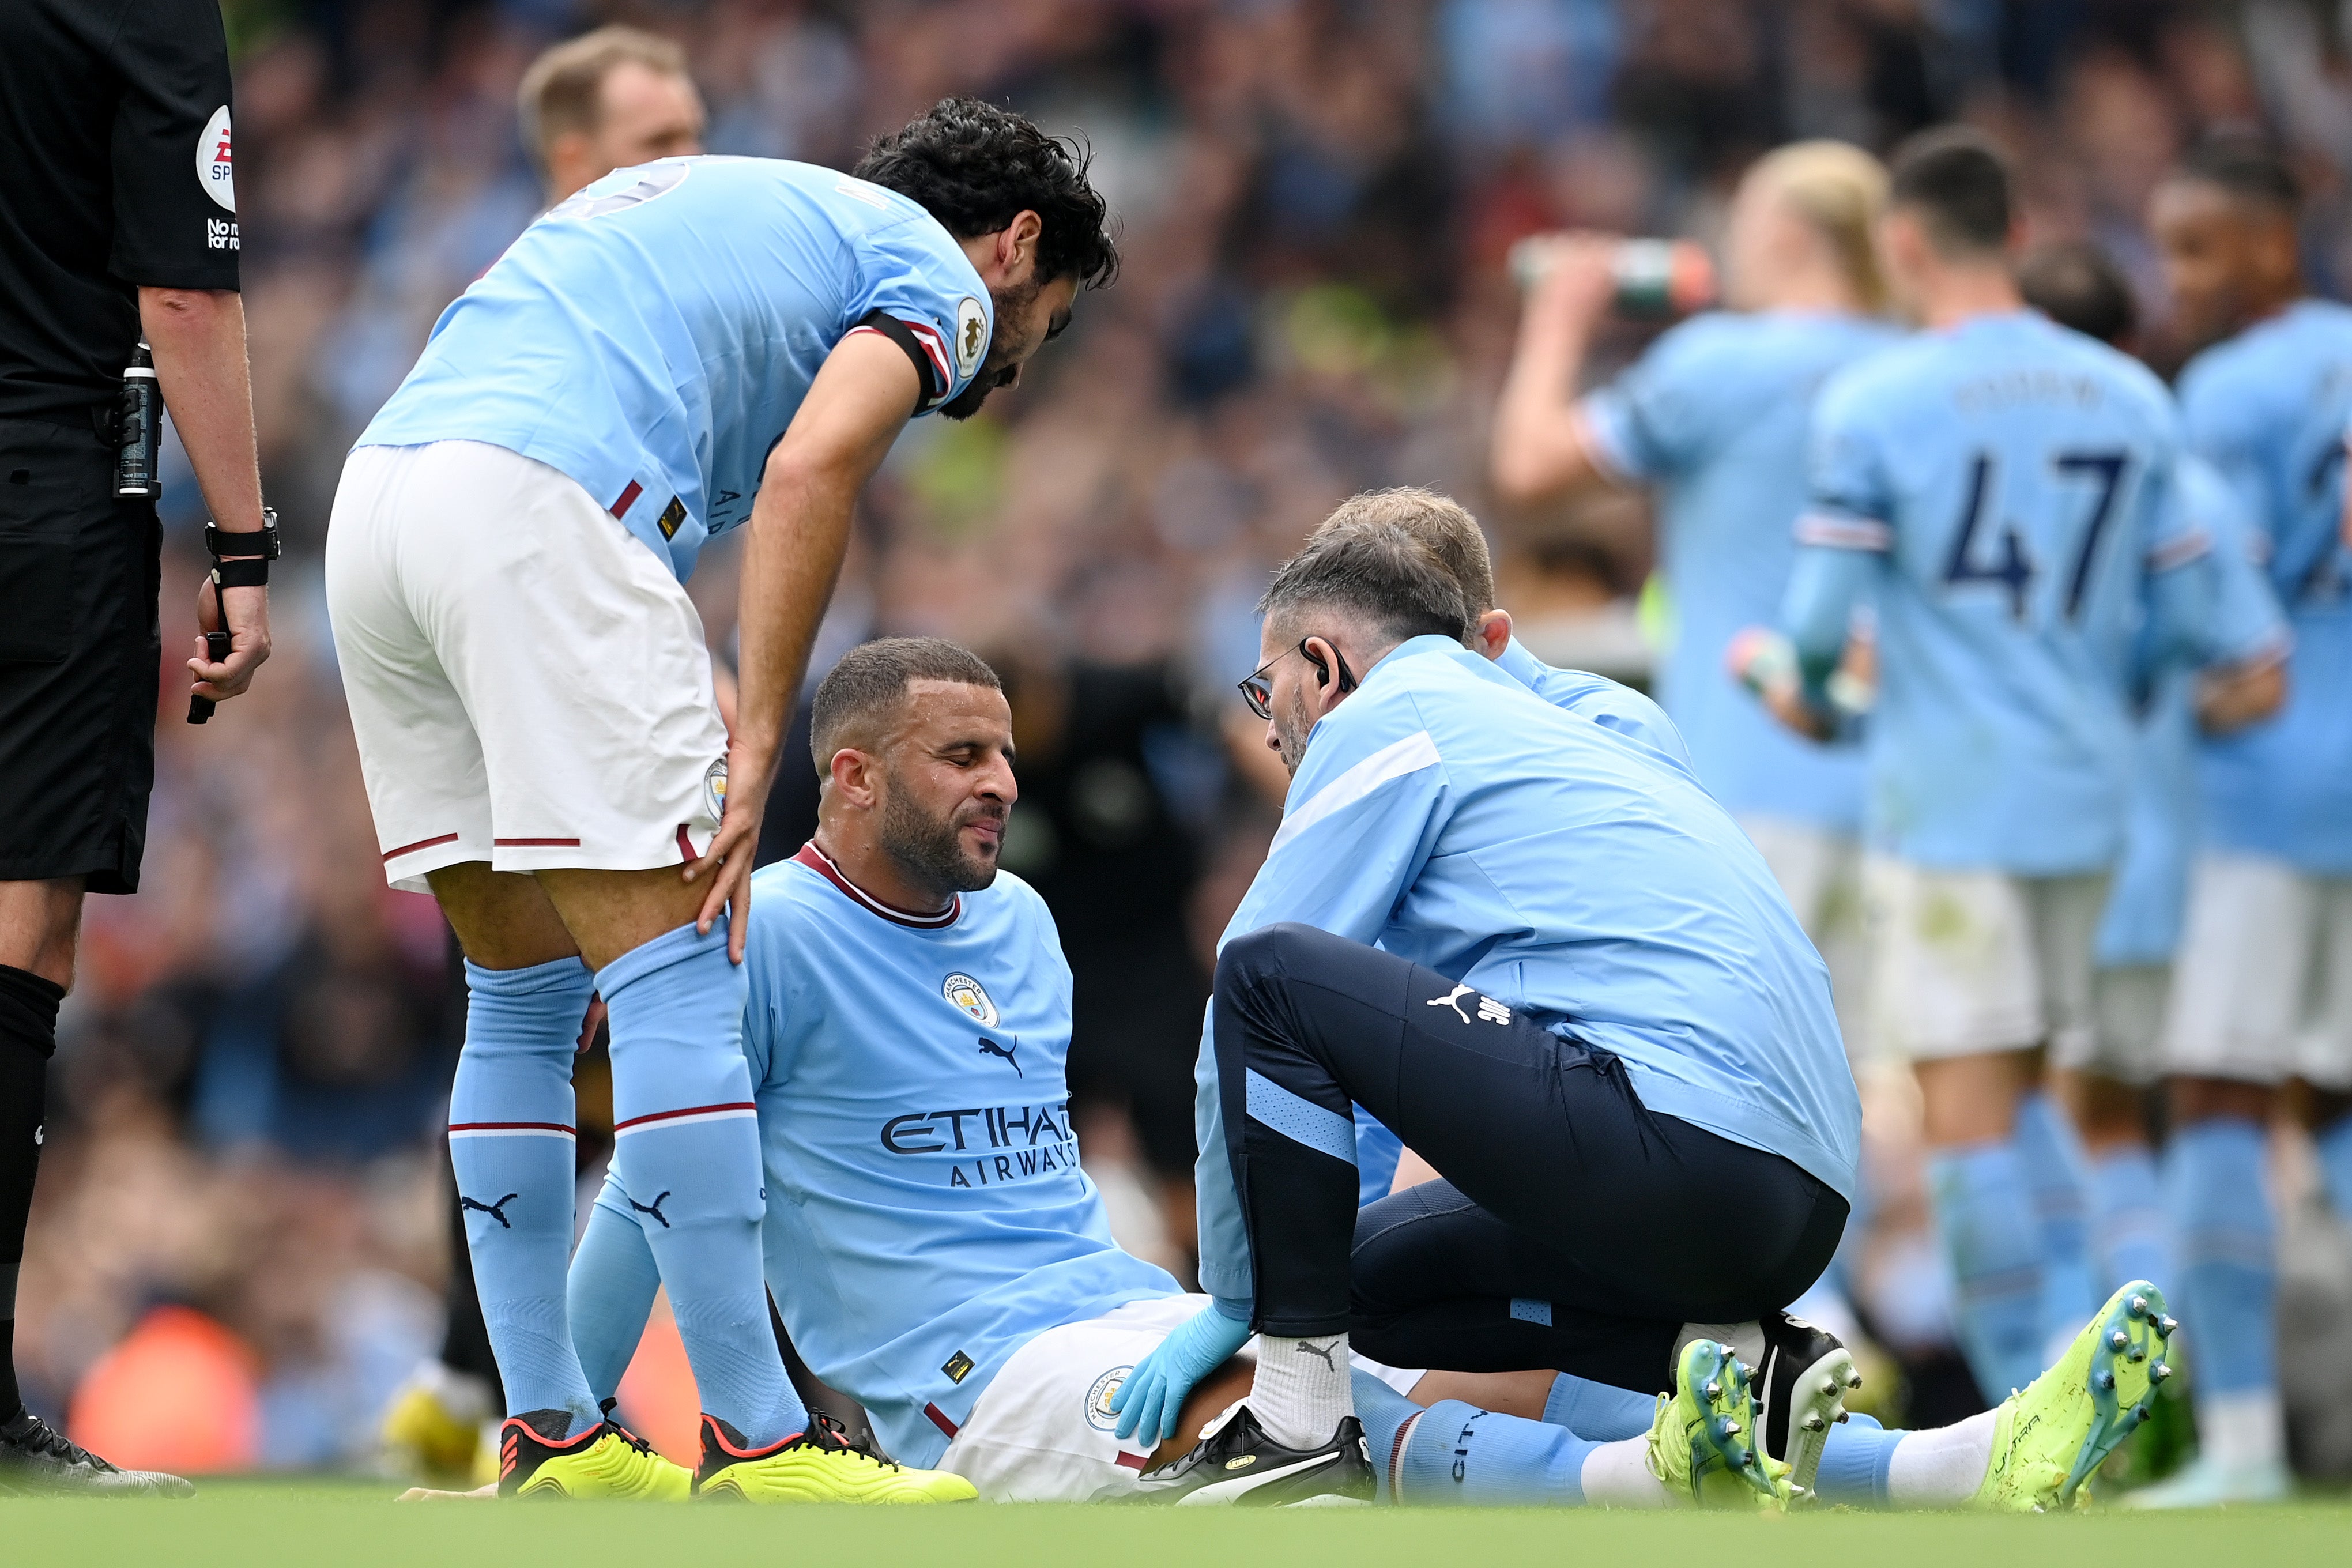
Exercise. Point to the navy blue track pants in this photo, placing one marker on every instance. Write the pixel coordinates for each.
(1574, 1229)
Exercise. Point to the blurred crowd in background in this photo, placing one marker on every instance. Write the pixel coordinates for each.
(1315, 199)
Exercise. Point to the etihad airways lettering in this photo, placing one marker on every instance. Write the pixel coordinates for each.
(1003, 1126)
(995, 1169)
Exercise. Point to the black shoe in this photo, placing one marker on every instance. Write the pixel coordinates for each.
(36, 1461)
(1236, 1463)
(1801, 1391)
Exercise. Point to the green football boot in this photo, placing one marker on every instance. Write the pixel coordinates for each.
(2051, 1436)
(1706, 1448)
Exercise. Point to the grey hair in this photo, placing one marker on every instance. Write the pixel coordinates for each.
(1373, 571)
(871, 681)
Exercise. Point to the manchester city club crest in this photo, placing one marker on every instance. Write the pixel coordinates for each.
(970, 995)
(1100, 1415)
(714, 790)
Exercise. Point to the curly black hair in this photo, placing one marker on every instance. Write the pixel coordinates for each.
(975, 167)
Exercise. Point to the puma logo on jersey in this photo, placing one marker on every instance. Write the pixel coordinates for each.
(497, 1211)
(991, 1048)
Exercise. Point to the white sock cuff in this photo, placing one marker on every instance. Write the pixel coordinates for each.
(2239, 1431)
(1301, 1391)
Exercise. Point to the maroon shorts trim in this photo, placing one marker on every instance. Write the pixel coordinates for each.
(391, 855)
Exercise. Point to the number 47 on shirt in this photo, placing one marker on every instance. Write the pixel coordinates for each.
(2015, 569)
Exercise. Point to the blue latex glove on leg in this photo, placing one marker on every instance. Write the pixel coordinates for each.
(1153, 1397)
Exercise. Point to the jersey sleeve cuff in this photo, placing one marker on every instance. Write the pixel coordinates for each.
(922, 345)
(1607, 440)
(2180, 549)
(1837, 532)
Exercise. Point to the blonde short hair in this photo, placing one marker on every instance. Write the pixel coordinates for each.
(1839, 190)
(559, 92)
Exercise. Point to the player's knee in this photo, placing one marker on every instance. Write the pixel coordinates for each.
(1252, 959)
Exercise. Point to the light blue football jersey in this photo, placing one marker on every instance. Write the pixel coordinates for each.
(2269, 407)
(2147, 900)
(1714, 417)
(2004, 491)
(1447, 814)
(927, 1215)
(653, 336)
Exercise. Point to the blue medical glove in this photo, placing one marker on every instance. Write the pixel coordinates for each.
(1153, 1397)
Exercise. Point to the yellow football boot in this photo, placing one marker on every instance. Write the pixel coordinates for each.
(604, 1461)
(817, 1466)
(1705, 1448)
(433, 1428)
(2051, 1435)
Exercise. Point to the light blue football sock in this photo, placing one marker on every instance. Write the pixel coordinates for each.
(1456, 1455)
(1985, 1219)
(612, 1283)
(1597, 1412)
(687, 1148)
(2228, 1267)
(1384, 1412)
(2134, 1237)
(2334, 1142)
(1854, 1462)
(2057, 1173)
(510, 1145)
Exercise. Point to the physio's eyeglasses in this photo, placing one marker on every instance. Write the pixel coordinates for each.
(1257, 688)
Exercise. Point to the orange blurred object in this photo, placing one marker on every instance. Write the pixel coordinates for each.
(658, 1401)
(178, 1394)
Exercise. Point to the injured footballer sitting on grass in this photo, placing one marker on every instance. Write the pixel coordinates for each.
(938, 1254)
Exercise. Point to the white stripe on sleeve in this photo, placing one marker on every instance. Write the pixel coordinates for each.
(1845, 533)
(1394, 761)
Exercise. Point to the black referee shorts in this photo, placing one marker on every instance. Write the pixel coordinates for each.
(81, 659)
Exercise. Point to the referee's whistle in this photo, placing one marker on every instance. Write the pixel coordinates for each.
(216, 648)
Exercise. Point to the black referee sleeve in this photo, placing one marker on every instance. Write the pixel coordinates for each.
(174, 188)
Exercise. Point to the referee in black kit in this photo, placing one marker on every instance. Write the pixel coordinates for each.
(117, 280)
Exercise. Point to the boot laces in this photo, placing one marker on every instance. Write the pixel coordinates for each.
(839, 1435)
(40, 1437)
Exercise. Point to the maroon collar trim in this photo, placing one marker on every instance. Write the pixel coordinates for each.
(817, 860)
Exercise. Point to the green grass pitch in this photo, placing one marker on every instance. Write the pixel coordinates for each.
(243, 1525)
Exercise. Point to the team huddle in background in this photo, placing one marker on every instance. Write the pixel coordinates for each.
(1525, 1101)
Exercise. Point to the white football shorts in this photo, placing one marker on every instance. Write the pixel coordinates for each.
(1969, 962)
(2263, 980)
(1820, 873)
(530, 686)
(1042, 1431)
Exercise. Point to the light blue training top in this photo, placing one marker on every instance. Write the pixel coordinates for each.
(1449, 814)
(653, 336)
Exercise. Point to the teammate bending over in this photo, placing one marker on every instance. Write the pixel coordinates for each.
(679, 349)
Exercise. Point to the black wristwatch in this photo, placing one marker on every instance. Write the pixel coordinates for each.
(242, 560)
